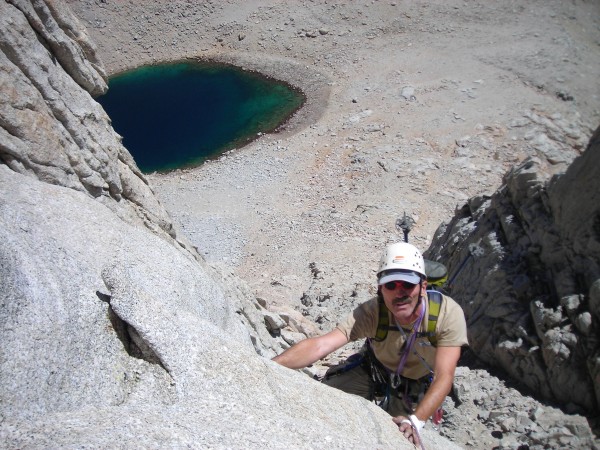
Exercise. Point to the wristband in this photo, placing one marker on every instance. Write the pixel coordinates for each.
(417, 423)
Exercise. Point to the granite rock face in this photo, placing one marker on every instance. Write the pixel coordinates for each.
(526, 268)
(114, 331)
(52, 130)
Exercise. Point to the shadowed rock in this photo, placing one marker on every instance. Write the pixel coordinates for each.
(531, 294)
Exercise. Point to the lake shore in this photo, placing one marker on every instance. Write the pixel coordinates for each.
(410, 108)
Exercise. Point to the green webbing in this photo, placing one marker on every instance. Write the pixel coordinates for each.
(435, 303)
(383, 323)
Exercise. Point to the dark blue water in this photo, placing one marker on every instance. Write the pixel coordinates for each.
(179, 115)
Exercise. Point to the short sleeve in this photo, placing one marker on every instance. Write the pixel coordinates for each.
(451, 329)
(362, 322)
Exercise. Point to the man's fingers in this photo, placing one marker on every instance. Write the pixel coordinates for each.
(412, 437)
(416, 440)
(406, 428)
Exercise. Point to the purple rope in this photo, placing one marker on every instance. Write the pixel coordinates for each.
(411, 339)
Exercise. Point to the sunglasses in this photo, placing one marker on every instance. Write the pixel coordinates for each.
(393, 285)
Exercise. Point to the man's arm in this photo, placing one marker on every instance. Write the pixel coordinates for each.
(446, 359)
(306, 352)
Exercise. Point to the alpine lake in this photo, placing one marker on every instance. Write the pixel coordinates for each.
(179, 115)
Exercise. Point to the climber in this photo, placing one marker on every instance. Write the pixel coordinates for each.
(405, 368)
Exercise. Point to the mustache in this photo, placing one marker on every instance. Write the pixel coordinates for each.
(404, 299)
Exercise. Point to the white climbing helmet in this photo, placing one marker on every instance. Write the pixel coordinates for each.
(401, 261)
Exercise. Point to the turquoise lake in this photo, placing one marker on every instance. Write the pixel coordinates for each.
(179, 115)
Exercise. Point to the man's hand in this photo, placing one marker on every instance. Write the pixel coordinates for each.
(406, 428)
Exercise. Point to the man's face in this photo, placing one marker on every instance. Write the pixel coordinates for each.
(401, 298)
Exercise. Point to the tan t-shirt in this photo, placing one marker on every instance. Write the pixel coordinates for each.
(450, 330)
